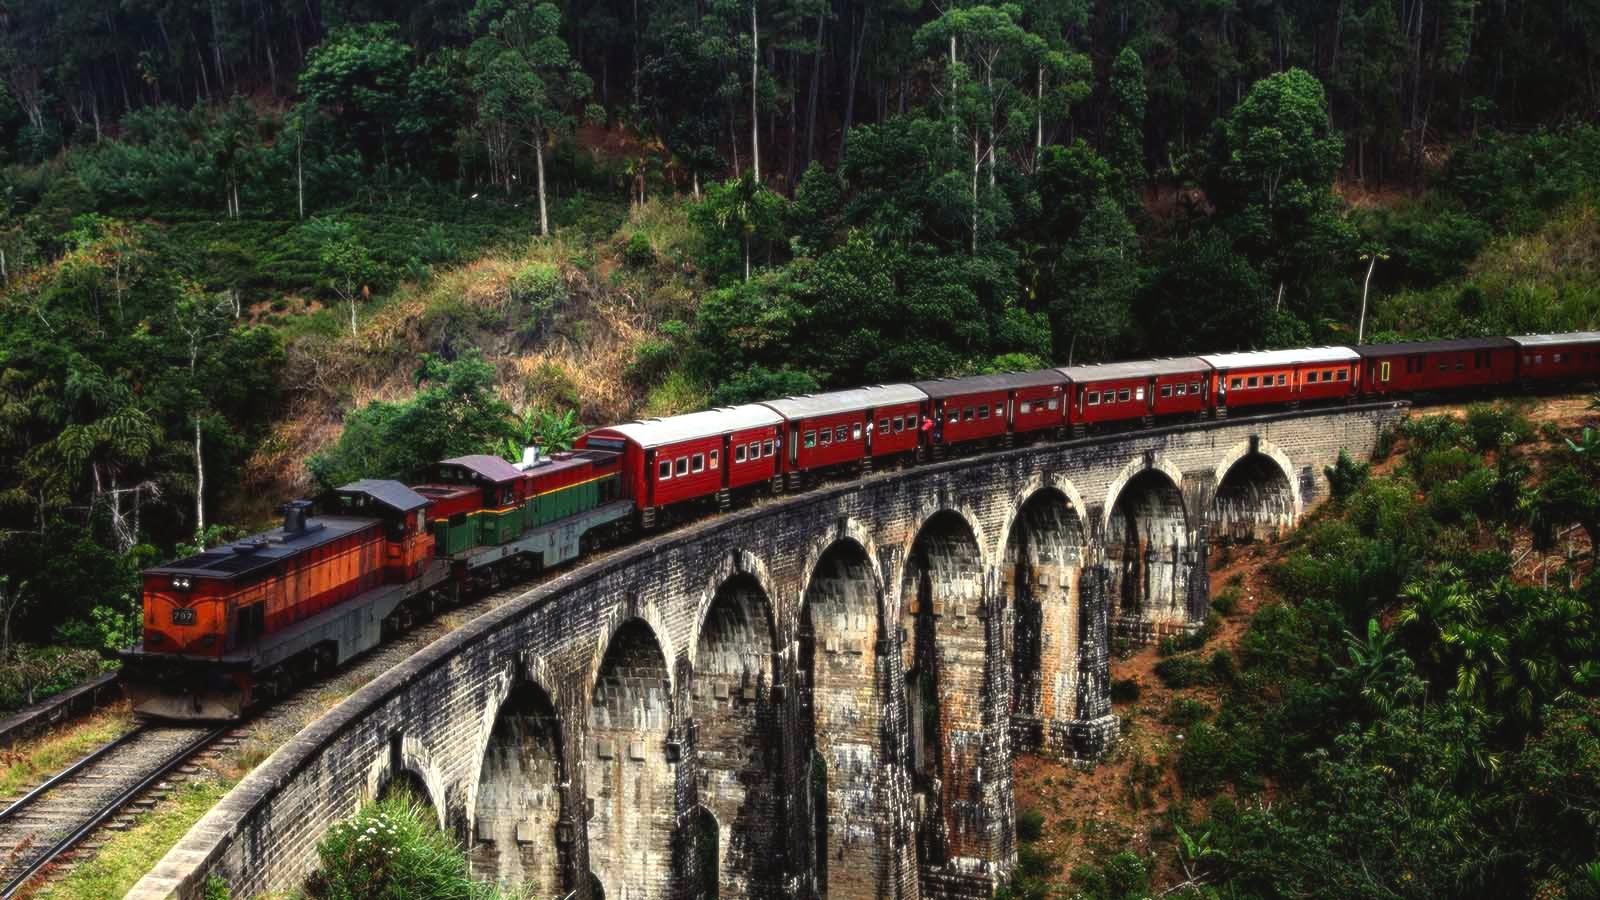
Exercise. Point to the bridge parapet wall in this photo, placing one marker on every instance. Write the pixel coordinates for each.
(440, 707)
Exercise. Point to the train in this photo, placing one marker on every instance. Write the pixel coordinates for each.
(247, 621)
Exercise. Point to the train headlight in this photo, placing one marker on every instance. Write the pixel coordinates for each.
(181, 583)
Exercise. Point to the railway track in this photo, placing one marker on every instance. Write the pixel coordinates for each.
(51, 819)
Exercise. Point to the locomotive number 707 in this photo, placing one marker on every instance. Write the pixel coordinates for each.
(182, 616)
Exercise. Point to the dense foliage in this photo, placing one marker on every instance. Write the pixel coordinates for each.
(1425, 717)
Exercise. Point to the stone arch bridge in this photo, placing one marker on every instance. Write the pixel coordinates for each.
(815, 697)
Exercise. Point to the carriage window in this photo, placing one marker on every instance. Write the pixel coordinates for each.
(999, 409)
(683, 465)
(1055, 404)
(716, 457)
(699, 462)
(883, 425)
(1538, 359)
(1234, 384)
(899, 424)
(738, 454)
(1026, 408)
(825, 436)
(1166, 390)
(1122, 396)
(1182, 389)
(1251, 382)
(1194, 387)
(841, 434)
(855, 432)
(1556, 358)
(968, 415)
(772, 448)
(1138, 394)
(1311, 378)
(911, 421)
(983, 412)
(811, 439)
(1344, 374)
(1094, 398)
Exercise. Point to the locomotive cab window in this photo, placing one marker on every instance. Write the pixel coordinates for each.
(664, 471)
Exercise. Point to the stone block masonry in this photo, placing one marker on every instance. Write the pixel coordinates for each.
(815, 697)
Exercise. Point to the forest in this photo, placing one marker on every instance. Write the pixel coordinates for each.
(252, 249)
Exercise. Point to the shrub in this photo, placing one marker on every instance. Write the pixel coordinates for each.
(1222, 667)
(1124, 690)
(1030, 825)
(540, 287)
(392, 848)
(1174, 644)
(1346, 475)
(1226, 602)
(638, 253)
(1492, 426)
(1441, 465)
(1431, 432)
(1210, 759)
(1183, 671)
(1185, 712)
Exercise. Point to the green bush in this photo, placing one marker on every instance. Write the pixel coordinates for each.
(1346, 475)
(638, 253)
(1174, 644)
(1431, 432)
(1184, 671)
(392, 849)
(1124, 690)
(1491, 426)
(29, 674)
(540, 287)
(1227, 600)
(1030, 825)
(1186, 711)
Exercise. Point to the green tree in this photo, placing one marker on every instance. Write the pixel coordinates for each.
(1127, 100)
(526, 80)
(455, 411)
(347, 266)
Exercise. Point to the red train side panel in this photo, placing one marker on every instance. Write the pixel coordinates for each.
(983, 407)
(684, 458)
(1117, 392)
(1436, 365)
(1283, 376)
(838, 428)
(1558, 357)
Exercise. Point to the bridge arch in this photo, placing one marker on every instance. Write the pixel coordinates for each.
(630, 780)
(408, 765)
(946, 662)
(1043, 557)
(1148, 540)
(738, 738)
(518, 797)
(842, 650)
(1256, 494)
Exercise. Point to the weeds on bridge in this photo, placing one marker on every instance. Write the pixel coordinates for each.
(393, 849)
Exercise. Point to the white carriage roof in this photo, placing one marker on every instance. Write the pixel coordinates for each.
(689, 426)
(1135, 368)
(846, 401)
(1544, 340)
(1299, 356)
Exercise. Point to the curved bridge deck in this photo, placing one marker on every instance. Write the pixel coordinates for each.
(816, 696)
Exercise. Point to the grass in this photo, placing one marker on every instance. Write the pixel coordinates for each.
(34, 760)
(124, 859)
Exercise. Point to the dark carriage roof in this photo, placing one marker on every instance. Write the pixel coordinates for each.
(489, 468)
(392, 494)
(1407, 348)
(260, 551)
(941, 388)
(1137, 368)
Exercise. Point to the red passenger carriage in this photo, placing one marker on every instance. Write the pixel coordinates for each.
(679, 459)
(983, 407)
(1558, 357)
(843, 427)
(1272, 377)
(1436, 365)
(1122, 391)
